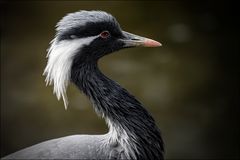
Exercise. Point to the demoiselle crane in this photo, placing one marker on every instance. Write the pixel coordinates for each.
(82, 38)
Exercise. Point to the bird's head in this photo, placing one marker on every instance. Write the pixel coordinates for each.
(84, 37)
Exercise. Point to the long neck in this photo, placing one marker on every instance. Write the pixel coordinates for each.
(129, 123)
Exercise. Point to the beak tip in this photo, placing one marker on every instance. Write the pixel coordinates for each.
(151, 43)
(159, 44)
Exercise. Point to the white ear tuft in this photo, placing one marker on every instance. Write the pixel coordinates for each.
(58, 70)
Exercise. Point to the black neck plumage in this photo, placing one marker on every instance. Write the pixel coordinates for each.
(120, 108)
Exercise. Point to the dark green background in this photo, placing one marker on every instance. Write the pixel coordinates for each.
(189, 84)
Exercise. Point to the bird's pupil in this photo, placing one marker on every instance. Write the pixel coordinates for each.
(104, 34)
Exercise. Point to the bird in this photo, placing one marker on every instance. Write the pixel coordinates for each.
(81, 39)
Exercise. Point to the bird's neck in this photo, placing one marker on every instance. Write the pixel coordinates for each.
(129, 123)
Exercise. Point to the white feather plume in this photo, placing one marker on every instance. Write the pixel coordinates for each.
(60, 57)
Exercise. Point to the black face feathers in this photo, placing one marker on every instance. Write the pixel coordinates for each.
(84, 24)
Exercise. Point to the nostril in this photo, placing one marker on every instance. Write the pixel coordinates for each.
(135, 39)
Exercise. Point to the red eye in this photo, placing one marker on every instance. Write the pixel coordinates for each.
(105, 34)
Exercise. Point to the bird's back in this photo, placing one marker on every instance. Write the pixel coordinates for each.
(70, 147)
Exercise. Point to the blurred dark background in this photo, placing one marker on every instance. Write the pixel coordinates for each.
(189, 85)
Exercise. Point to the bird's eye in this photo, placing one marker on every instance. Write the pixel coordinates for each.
(104, 34)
